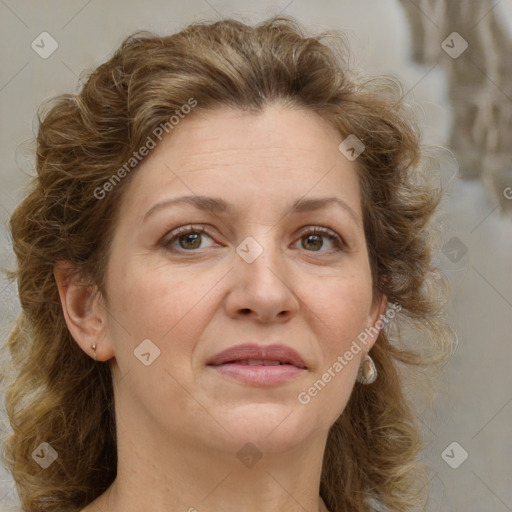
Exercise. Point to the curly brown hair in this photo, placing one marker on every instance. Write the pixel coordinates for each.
(59, 395)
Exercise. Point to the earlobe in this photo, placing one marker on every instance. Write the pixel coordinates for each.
(84, 316)
(376, 322)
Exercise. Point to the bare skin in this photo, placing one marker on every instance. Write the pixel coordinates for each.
(180, 423)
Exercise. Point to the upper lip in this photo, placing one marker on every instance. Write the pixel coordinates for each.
(280, 353)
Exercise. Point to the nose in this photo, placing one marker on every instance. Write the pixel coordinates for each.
(261, 289)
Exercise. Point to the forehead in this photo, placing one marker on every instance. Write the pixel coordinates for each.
(274, 131)
(280, 152)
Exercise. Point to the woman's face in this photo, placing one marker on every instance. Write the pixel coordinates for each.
(239, 229)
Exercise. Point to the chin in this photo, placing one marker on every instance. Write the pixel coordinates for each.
(272, 427)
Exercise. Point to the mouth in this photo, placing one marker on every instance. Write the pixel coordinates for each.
(257, 362)
(259, 365)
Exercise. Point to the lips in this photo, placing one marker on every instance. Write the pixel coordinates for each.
(258, 355)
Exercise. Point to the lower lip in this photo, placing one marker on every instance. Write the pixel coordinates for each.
(259, 375)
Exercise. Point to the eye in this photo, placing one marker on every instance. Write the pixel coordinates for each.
(314, 239)
(186, 238)
(190, 238)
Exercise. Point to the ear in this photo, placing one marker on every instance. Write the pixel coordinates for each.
(376, 321)
(84, 311)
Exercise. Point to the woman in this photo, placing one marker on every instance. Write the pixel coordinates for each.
(225, 228)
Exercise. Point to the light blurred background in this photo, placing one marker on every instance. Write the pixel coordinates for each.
(474, 410)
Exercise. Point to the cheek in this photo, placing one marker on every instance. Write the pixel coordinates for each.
(343, 307)
(158, 302)
(342, 314)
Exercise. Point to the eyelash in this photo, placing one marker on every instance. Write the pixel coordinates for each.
(201, 229)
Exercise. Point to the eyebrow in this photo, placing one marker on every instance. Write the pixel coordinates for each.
(218, 205)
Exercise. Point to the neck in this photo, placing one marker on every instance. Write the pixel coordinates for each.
(323, 507)
(157, 475)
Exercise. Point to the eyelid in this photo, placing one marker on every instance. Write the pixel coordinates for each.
(323, 230)
(184, 230)
(203, 229)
